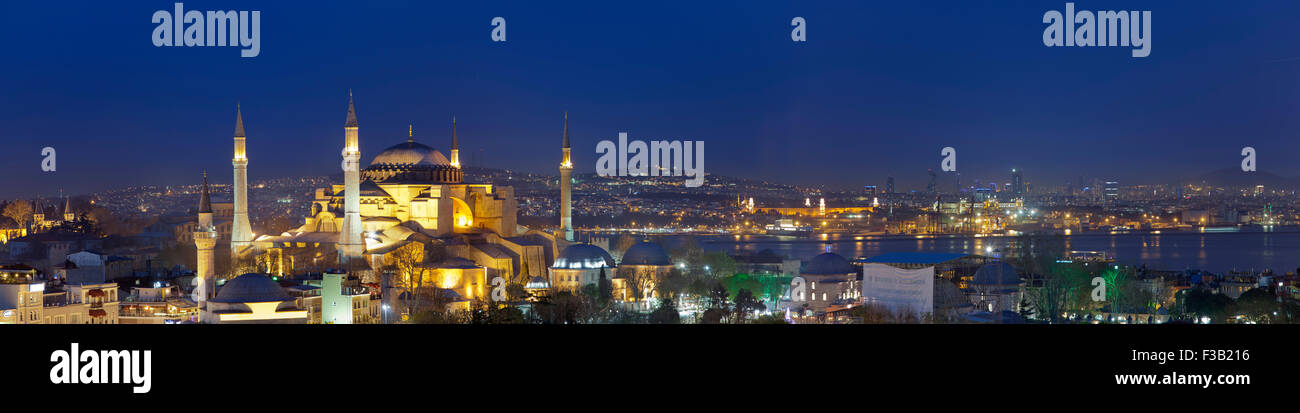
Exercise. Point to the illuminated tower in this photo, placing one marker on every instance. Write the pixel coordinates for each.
(38, 218)
(241, 233)
(455, 145)
(205, 238)
(566, 186)
(350, 244)
(68, 216)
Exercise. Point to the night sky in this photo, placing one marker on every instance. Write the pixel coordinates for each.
(878, 89)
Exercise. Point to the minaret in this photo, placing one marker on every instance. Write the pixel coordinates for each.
(350, 244)
(241, 233)
(455, 145)
(205, 238)
(566, 184)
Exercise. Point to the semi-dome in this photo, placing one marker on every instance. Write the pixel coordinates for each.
(251, 288)
(996, 273)
(583, 256)
(410, 153)
(646, 253)
(828, 264)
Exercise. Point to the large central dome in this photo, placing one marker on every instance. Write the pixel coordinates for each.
(412, 162)
(410, 153)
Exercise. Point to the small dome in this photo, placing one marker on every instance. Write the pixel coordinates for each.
(537, 283)
(251, 288)
(828, 264)
(646, 253)
(410, 153)
(583, 256)
(996, 273)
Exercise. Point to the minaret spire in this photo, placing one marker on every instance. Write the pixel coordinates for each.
(205, 200)
(566, 130)
(352, 113)
(455, 144)
(239, 121)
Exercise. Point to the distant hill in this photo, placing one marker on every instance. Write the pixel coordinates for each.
(1236, 178)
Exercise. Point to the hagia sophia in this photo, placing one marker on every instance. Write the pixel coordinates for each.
(411, 193)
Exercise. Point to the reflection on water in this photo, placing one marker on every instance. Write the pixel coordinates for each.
(1213, 251)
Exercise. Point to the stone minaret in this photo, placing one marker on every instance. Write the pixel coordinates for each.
(241, 233)
(205, 238)
(455, 145)
(350, 243)
(566, 186)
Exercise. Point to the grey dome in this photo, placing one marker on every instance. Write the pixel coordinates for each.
(410, 153)
(996, 273)
(646, 253)
(828, 264)
(251, 288)
(583, 256)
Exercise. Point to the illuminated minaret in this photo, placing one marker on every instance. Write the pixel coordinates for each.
(241, 233)
(205, 238)
(455, 145)
(566, 186)
(350, 244)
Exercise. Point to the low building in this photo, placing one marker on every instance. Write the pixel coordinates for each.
(254, 298)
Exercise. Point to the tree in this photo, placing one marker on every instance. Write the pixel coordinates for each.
(719, 305)
(1026, 308)
(770, 319)
(673, 284)
(20, 211)
(496, 314)
(744, 304)
(606, 288)
(1116, 281)
(1202, 303)
(1061, 289)
(407, 263)
(241, 265)
(1257, 304)
(718, 264)
(665, 314)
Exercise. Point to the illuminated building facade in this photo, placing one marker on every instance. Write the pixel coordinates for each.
(411, 192)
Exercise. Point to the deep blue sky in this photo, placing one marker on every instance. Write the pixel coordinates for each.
(878, 89)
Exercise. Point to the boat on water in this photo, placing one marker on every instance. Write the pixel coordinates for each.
(788, 227)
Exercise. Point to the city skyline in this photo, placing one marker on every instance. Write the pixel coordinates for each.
(846, 109)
